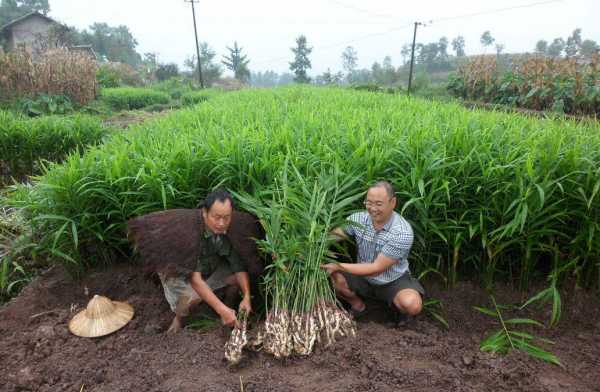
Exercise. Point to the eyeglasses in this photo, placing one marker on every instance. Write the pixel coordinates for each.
(377, 204)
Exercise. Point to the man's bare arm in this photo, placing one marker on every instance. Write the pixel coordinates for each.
(244, 283)
(380, 264)
(227, 314)
(340, 233)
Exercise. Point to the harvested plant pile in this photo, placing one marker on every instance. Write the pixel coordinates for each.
(568, 85)
(56, 72)
(297, 216)
(489, 195)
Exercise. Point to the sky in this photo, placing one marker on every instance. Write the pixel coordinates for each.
(267, 29)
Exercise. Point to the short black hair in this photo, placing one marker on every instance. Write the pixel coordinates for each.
(389, 189)
(219, 194)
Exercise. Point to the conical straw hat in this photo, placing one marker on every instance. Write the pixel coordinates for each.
(101, 317)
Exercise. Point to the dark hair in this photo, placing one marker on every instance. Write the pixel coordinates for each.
(389, 189)
(219, 194)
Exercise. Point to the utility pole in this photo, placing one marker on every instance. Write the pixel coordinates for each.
(412, 57)
(197, 46)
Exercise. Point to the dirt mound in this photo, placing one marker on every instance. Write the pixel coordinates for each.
(39, 354)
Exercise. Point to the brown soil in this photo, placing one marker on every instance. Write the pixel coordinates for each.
(38, 353)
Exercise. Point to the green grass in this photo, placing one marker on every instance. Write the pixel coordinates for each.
(25, 142)
(490, 195)
(131, 98)
(14, 243)
(195, 97)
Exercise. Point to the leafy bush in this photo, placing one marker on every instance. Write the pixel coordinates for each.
(25, 142)
(129, 98)
(167, 71)
(112, 75)
(45, 104)
(421, 81)
(175, 87)
(195, 97)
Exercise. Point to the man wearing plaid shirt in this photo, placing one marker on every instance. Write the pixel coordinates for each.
(383, 239)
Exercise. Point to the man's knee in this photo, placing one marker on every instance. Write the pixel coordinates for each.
(408, 301)
(339, 282)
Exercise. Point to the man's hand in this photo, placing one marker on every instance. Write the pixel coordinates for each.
(228, 317)
(330, 268)
(246, 305)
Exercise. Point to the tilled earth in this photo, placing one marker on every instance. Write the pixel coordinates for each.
(38, 353)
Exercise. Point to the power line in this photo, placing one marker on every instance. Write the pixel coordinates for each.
(361, 10)
(494, 11)
(411, 24)
(361, 38)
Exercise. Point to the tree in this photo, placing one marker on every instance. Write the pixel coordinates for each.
(443, 49)
(112, 43)
(237, 63)
(151, 61)
(329, 78)
(499, 49)
(285, 79)
(167, 71)
(556, 47)
(458, 44)
(13, 9)
(589, 47)
(349, 62)
(211, 72)
(406, 53)
(301, 61)
(264, 79)
(149, 65)
(487, 39)
(573, 43)
(541, 47)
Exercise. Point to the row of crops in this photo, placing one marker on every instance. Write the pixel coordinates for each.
(565, 85)
(490, 195)
(132, 98)
(25, 143)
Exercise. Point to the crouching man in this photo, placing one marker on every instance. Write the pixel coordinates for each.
(383, 240)
(219, 268)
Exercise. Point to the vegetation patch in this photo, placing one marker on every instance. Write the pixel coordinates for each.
(489, 195)
(25, 143)
(131, 98)
(564, 85)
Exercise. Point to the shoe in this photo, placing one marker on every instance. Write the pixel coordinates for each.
(401, 320)
(356, 314)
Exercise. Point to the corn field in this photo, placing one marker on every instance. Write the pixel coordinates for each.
(56, 72)
(566, 85)
(490, 195)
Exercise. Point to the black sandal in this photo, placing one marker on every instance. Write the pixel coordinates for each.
(356, 314)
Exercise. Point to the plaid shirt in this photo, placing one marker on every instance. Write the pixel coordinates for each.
(394, 240)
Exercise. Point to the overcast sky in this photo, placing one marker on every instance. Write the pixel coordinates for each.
(266, 29)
